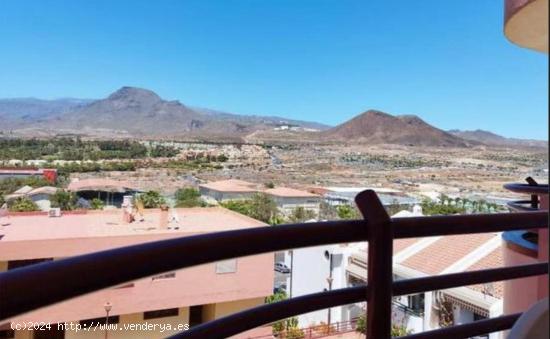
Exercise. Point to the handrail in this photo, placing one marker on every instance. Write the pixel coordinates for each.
(522, 205)
(475, 328)
(265, 314)
(20, 293)
(471, 223)
(238, 322)
(407, 309)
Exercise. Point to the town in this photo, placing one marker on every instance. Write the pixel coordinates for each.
(103, 194)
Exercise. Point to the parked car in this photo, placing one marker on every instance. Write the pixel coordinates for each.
(281, 267)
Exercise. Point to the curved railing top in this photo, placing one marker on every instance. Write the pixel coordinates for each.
(20, 293)
(527, 188)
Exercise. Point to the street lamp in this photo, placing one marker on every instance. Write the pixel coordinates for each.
(107, 306)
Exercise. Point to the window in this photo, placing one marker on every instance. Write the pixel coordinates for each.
(195, 315)
(226, 266)
(416, 302)
(170, 312)
(100, 321)
(170, 275)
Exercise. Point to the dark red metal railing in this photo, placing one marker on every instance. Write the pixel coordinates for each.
(19, 292)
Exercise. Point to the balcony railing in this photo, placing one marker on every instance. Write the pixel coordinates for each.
(29, 288)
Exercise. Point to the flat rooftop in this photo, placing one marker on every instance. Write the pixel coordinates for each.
(289, 193)
(231, 185)
(110, 224)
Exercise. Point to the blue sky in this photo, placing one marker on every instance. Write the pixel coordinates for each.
(445, 61)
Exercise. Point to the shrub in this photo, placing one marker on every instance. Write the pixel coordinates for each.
(151, 199)
(300, 214)
(189, 197)
(396, 329)
(260, 207)
(22, 204)
(64, 200)
(97, 204)
(294, 333)
(347, 212)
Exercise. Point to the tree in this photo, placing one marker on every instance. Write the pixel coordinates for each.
(151, 199)
(263, 208)
(222, 158)
(269, 184)
(327, 211)
(64, 200)
(189, 197)
(22, 204)
(260, 207)
(430, 207)
(2, 200)
(347, 212)
(300, 214)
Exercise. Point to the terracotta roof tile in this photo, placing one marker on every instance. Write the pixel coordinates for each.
(492, 260)
(445, 252)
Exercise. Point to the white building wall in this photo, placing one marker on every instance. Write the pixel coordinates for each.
(310, 270)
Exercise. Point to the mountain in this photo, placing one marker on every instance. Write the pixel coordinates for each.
(376, 127)
(262, 119)
(137, 112)
(21, 111)
(490, 138)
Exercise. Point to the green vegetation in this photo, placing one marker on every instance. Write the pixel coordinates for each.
(2, 200)
(64, 200)
(83, 167)
(447, 206)
(285, 324)
(300, 214)
(77, 149)
(151, 199)
(97, 204)
(391, 162)
(189, 197)
(160, 151)
(260, 207)
(327, 211)
(396, 330)
(269, 185)
(10, 185)
(347, 212)
(22, 204)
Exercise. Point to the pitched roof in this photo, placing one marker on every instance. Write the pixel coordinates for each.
(444, 252)
(492, 260)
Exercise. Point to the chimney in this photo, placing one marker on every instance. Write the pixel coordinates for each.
(163, 219)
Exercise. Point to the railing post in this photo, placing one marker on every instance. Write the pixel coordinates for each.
(379, 270)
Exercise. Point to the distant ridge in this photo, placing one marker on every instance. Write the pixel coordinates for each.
(132, 111)
(490, 138)
(376, 127)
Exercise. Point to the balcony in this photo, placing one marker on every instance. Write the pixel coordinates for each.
(20, 293)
